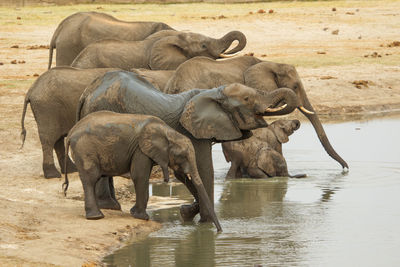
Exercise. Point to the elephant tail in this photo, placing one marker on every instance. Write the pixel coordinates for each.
(66, 182)
(53, 45)
(23, 130)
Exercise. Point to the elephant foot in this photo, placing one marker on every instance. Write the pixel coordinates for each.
(50, 171)
(94, 215)
(189, 211)
(139, 215)
(110, 204)
(70, 167)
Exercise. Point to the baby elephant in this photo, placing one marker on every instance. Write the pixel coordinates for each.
(105, 144)
(261, 156)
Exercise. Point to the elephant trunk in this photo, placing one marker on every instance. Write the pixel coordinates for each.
(202, 193)
(225, 42)
(281, 101)
(320, 131)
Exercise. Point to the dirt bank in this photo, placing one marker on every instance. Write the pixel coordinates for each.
(347, 59)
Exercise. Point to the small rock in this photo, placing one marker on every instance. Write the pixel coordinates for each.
(335, 32)
(394, 44)
(35, 75)
(1, 63)
(321, 52)
(327, 77)
(222, 17)
(15, 46)
(249, 54)
(349, 13)
(270, 11)
(263, 55)
(14, 61)
(203, 17)
(21, 62)
(334, 9)
(251, 13)
(261, 11)
(360, 37)
(18, 18)
(325, 29)
(99, 7)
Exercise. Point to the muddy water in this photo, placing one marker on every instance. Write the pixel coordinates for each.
(328, 219)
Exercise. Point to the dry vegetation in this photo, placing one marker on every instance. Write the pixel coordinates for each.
(346, 52)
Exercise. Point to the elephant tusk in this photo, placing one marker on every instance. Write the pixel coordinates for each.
(189, 176)
(227, 56)
(276, 109)
(306, 110)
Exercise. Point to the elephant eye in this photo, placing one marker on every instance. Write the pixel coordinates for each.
(246, 98)
(203, 46)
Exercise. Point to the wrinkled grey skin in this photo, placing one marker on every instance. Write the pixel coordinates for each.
(54, 98)
(79, 30)
(164, 50)
(219, 114)
(201, 72)
(260, 156)
(106, 144)
(158, 78)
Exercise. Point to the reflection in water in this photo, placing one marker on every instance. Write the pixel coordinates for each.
(328, 219)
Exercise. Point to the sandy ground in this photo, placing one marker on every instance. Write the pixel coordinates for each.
(354, 72)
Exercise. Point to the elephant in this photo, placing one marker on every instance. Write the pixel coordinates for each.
(79, 30)
(205, 116)
(107, 144)
(54, 98)
(164, 50)
(202, 72)
(260, 156)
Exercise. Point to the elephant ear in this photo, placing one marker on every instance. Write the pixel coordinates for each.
(167, 53)
(266, 71)
(280, 133)
(205, 118)
(154, 144)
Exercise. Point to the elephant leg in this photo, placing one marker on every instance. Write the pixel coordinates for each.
(140, 177)
(233, 170)
(256, 173)
(89, 179)
(206, 172)
(189, 211)
(105, 194)
(49, 169)
(60, 151)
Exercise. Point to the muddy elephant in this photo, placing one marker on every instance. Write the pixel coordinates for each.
(79, 30)
(201, 72)
(54, 98)
(260, 156)
(164, 50)
(107, 144)
(205, 116)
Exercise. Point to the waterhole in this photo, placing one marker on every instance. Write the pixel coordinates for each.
(330, 218)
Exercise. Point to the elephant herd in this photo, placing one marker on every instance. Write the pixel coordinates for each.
(125, 96)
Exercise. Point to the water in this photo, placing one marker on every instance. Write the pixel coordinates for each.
(328, 219)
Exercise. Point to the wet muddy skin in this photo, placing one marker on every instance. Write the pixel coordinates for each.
(328, 219)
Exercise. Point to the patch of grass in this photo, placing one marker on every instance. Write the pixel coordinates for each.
(52, 15)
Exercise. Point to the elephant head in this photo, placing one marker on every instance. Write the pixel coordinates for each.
(284, 128)
(230, 112)
(170, 51)
(269, 76)
(167, 147)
